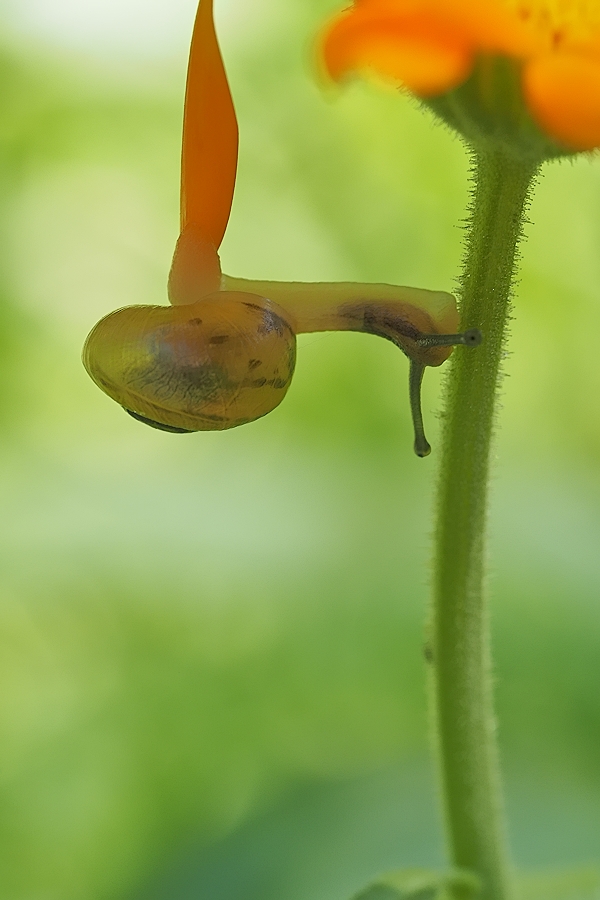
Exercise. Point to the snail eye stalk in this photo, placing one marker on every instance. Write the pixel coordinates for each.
(470, 338)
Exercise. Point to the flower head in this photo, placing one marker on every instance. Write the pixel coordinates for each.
(524, 73)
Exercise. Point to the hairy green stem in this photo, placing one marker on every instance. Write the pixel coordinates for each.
(463, 705)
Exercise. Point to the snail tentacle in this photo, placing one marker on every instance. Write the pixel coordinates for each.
(422, 446)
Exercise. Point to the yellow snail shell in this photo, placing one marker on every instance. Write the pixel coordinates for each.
(220, 362)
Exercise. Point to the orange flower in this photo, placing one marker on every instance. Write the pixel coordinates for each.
(522, 71)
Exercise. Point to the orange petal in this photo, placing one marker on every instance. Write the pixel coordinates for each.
(210, 135)
(412, 50)
(562, 92)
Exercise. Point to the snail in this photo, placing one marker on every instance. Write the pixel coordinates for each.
(223, 353)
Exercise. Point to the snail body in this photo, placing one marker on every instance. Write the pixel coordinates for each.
(228, 358)
(402, 315)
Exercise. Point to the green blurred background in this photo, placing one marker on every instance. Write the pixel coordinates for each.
(211, 673)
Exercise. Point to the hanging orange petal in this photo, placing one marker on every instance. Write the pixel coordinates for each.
(210, 135)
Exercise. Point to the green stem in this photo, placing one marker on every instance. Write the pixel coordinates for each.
(460, 632)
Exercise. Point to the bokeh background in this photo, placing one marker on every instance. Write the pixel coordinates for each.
(212, 682)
